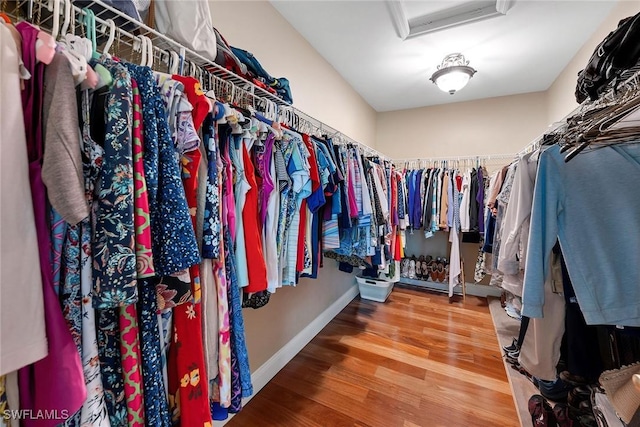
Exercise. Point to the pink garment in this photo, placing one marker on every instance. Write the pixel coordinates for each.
(144, 256)
(230, 201)
(264, 166)
(353, 207)
(131, 365)
(55, 383)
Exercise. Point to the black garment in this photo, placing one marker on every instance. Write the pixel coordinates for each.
(524, 325)
(489, 234)
(473, 203)
(583, 350)
(428, 213)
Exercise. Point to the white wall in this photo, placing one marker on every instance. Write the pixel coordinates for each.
(317, 88)
(501, 125)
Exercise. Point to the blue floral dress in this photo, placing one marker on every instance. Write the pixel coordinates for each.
(114, 256)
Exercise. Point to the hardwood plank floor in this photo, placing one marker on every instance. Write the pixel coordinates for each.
(416, 360)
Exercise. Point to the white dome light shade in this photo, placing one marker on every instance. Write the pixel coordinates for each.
(453, 74)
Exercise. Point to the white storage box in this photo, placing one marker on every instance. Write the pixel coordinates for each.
(374, 289)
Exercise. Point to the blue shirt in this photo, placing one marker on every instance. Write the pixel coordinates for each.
(592, 206)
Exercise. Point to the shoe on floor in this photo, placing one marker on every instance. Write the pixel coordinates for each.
(541, 412)
(556, 391)
(512, 312)
(573, 379)
(512, 347)
(561, 412)
(512, 356)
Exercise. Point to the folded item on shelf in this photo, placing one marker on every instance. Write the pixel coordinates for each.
(188, 22)
(128, 7)
(619, 51)
(280, 85)
(226, 58)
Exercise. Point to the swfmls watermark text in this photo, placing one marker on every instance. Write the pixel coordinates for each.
(28, 414)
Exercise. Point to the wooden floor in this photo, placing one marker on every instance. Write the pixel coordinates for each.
(415, 360)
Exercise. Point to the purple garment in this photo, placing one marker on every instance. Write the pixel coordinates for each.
(416, 210)
(353, 207)
(480, 200)
(264, 167)
(57, 381)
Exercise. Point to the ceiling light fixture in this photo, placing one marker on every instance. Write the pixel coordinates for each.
(453, 74)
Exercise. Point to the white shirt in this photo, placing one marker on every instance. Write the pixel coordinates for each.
(23, 338)
(465, 221)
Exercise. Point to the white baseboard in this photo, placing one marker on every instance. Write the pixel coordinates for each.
(261, 376)
(471, 288)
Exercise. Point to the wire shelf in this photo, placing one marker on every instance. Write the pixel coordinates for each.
(129, 32)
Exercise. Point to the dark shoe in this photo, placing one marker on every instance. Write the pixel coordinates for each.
(561, 412)
(524, 372)
(578, 395)
(512, 347)
(556, 391)
(573, 379)
(419, 271)
(587, 420)
(512, 356)
(425, 268)
(541, 413)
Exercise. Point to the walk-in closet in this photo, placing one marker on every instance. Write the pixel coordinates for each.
(385, 213)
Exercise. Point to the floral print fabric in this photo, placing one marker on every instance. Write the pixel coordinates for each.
(94, 410)
(156, 407)
(111, 365)
(58, 231)
(173, 239)
(187, 350)
(114, 260)
(212, 220)
(239, 346)
(70, 291)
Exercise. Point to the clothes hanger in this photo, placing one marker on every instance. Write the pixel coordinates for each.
(112, 35)
(174, 63)
(141, 45)
(90, 23)
(77, 61)
(91, 52)
(150, 55)
(45, 43)
(102, 75)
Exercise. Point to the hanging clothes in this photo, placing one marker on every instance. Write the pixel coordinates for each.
(22, 285)
(38, 389)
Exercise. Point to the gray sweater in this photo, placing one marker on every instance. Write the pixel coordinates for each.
(62, 162)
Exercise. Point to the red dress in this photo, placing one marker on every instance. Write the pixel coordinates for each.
(256, 267)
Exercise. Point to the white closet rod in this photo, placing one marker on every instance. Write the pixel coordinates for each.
(481, 158)
(338, 136)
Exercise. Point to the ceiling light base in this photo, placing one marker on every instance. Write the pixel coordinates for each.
(453, 74)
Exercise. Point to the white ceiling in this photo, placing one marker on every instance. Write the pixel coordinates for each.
(522, 51)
